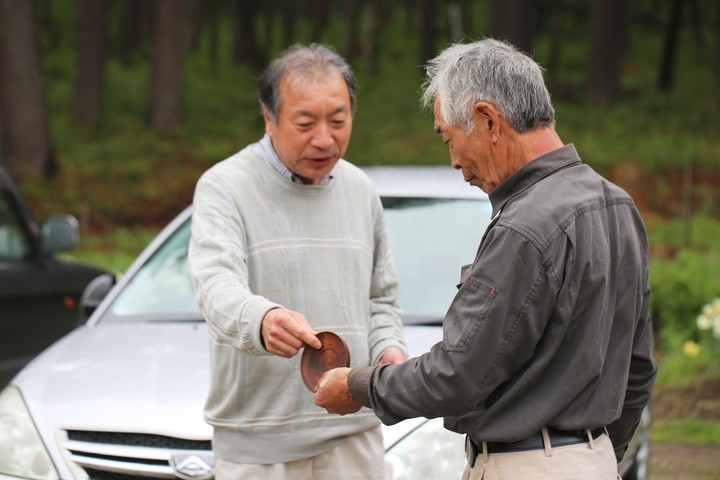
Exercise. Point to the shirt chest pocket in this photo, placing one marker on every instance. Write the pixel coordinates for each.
(466, 314)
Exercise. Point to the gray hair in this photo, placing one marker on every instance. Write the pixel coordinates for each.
(313, 61)
(492, 71)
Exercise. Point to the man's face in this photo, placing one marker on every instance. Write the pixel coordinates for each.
(470, 153)
(313, 127)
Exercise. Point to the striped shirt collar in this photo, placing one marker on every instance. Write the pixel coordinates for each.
(265, 149)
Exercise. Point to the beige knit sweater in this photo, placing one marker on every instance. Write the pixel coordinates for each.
(260, 241)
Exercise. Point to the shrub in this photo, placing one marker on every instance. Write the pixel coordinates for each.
(680, 288)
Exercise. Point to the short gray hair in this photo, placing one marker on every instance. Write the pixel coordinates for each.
(492, 71)
(313, 61)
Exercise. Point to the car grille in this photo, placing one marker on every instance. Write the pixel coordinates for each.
(136, 456)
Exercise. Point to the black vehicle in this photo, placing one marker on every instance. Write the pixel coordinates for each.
(39, 293)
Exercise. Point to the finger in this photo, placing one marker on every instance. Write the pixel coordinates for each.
(282, 350)
(304, 332)
(325, 379)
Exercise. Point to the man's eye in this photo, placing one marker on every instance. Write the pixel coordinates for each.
(338, 123)
(304, 125)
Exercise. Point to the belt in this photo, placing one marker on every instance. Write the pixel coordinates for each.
(558, 438)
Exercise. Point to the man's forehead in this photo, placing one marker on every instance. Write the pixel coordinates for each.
(303, 80)
(305, 94)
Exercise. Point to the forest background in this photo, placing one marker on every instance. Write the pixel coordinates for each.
(111, 109)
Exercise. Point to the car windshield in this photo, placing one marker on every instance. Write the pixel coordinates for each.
(161, 289)
(430, 240)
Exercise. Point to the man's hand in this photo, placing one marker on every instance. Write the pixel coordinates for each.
(391, 356)
(333, 394)
(285, 332)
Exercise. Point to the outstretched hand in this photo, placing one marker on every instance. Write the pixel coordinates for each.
(333, 393)
(285, 332)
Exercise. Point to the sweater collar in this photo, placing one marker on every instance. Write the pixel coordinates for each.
(266, 150)
(531, 173)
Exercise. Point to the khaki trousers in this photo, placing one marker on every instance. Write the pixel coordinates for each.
(593, 460)
(359, 457)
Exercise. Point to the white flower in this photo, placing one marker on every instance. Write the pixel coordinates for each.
(716, 327)
(709, 319)
(704, 322)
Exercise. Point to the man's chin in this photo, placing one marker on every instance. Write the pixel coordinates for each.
(314, 176)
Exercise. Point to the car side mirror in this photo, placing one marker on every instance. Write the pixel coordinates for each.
(94, 293)
(59, 233)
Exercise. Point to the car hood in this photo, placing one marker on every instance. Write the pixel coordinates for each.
(141, 378)
(133, 377)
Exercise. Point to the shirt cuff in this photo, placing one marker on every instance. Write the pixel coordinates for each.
(359, 384)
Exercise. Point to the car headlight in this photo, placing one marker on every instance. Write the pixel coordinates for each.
(22, 452)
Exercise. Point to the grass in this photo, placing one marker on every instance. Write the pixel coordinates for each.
(686, 431)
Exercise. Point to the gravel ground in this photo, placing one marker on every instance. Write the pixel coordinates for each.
(684, 462)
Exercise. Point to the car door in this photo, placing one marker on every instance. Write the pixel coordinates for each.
(39, 293)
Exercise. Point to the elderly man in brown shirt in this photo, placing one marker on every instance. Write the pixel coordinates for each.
(546, 360)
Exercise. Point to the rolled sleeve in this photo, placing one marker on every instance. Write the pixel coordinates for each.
(359, 384)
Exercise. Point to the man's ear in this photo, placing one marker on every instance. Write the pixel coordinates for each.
(486, 115)
(269, 124)
(487, 118)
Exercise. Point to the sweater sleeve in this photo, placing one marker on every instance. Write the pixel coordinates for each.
(385, 321)
(218, 267)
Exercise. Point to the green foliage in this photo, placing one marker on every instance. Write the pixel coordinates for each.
(684, 277)
(114, 252)
(680, 288)
(221, 114)
(685, 363)
(687, 431)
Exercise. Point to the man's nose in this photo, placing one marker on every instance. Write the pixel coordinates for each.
(322, 137)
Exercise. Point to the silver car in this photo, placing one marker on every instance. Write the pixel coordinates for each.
(122, 396)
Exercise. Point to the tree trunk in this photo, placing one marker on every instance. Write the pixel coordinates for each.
(455, 20)
(89, 86)
(46, 23)
(370, 34)
(27, 148)
(557, 19)
(136, 21)
(717, 42)
(320, 16)
(666, 77)
(607, 50)
(169, 47)
(696, 21)
(497, 16)
(521, 24)
(246, 48)
(197, 14)
(212, 16)
(513, 21)
(428, 30)
(289, 22)
(353, 47)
